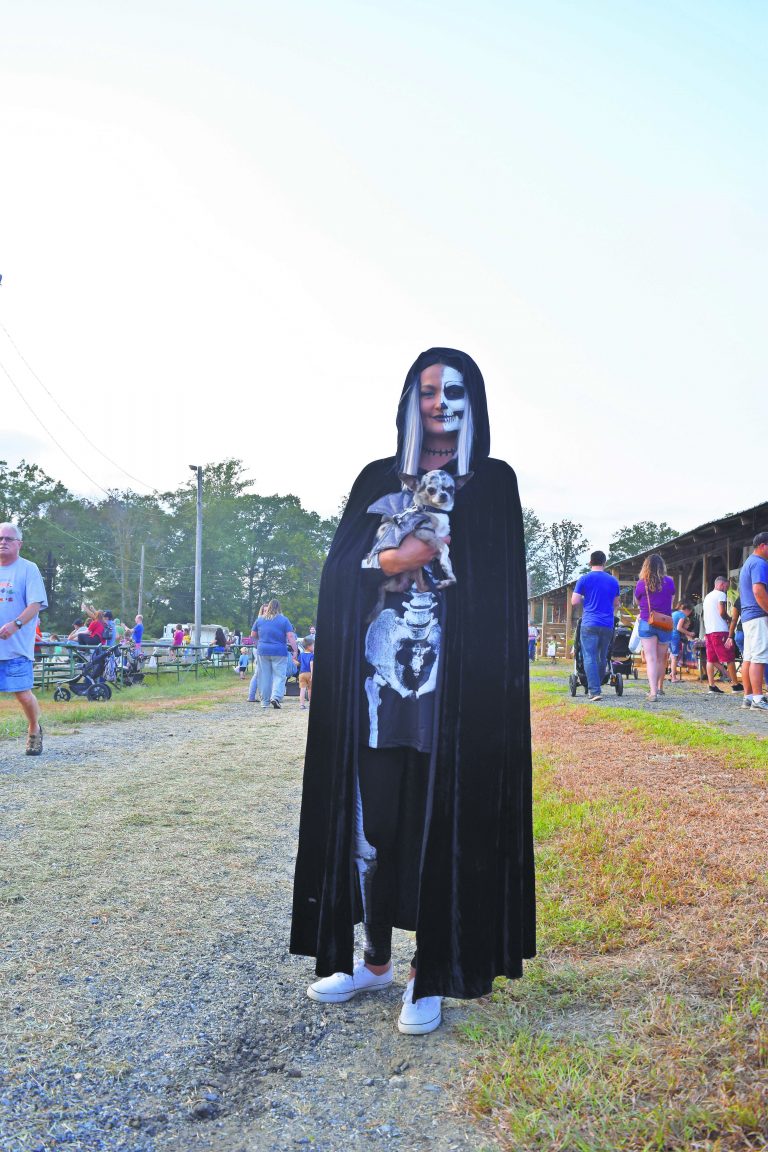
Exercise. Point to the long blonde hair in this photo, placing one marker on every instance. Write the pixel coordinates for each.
(272, 610)
(653, 572)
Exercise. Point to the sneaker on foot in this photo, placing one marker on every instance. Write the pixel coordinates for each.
(341, 986)
(275, 703)
(746, 702)
(737, 687)
(714, 688)
(35, 741)
(419, 1016)
(596, 699)
(760, 704)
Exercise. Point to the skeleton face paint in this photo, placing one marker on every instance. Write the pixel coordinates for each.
(442, 398)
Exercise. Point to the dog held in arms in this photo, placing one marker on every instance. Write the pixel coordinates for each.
(426, 517)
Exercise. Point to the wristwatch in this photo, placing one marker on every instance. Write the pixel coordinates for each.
(19, 623)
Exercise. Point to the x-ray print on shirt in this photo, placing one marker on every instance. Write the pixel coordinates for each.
(402, 646)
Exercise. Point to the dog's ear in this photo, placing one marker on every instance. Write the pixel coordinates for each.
(461, 480)
(410, 482)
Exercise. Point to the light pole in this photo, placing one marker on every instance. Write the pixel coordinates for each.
(198, 553)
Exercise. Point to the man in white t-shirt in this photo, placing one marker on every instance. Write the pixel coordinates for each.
(22, 596)
(721, 651)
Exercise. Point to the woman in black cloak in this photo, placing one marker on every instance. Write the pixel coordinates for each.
(416, 810)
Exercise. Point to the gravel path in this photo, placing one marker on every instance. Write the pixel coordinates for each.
(690, 700)
(149, 1002)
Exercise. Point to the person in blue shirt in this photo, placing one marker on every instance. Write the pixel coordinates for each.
(753, 592)
(305, 672)
(22, 598)
(138, 634)
(599, 593)
(272, 632)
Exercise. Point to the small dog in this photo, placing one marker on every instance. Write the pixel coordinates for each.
(433, 496)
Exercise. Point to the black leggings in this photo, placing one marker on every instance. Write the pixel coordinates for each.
(393, 792)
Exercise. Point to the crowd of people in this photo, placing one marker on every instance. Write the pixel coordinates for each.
(725, 631)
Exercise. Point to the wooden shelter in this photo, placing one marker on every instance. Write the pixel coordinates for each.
(693, 560)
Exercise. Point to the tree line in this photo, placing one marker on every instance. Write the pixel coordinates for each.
(556, 552)
(254, 547)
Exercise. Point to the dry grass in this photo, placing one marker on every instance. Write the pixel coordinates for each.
(644, 1024)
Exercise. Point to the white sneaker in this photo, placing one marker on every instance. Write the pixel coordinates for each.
(746, 702)
(341, 986)
(419, 1016)
(760, 704)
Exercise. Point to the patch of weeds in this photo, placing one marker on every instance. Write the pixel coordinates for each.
(664, 1072)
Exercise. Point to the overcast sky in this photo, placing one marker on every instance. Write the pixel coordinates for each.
(228, 229)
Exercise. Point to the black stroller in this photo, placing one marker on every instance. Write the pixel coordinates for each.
(622, 661)
(89, 681)
(610, 674)
(132, 667)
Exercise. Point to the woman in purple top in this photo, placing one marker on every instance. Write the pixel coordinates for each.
(654, 590)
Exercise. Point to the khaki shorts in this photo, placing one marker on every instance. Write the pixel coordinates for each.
(756, 640)
(305, 679)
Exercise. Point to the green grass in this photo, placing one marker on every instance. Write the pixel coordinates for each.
(140, 700)
(620, 1063)
(591, 860)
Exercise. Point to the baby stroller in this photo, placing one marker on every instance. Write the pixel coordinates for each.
(609, 676)
(621, 659)
(89, 681)
(132, 667)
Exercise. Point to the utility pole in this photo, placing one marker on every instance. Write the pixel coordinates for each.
(141, 582)
(198, 554)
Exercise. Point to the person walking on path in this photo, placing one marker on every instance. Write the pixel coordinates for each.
(416, 808)
(599, 592)
(721, 650)
(753, 592)
(654, 592)
(22, 598)
(271, 633)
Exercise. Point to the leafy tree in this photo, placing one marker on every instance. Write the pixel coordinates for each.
(536, 552)
(641, 537)
(564, 546)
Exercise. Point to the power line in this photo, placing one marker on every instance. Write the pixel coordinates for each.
(77, 428)
(50, 434)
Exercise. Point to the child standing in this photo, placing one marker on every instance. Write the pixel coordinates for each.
(305, 671)
(243, 662)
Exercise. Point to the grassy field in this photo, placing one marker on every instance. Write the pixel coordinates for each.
(643, 1023)
(151, 696)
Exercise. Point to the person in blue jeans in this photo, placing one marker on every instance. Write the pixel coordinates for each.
(598, 592)
(273, 633)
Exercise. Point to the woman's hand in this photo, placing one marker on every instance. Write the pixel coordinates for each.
(412, 553)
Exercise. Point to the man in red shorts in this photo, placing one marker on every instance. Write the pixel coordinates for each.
(721, 651)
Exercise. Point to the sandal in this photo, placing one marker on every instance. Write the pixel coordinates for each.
(651, 699)
(35, 742)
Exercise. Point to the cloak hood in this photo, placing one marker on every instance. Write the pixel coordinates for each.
(480, 446)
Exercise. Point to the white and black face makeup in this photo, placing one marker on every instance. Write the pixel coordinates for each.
(442, 400)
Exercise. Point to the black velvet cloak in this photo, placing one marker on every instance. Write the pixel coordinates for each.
(474, 912)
